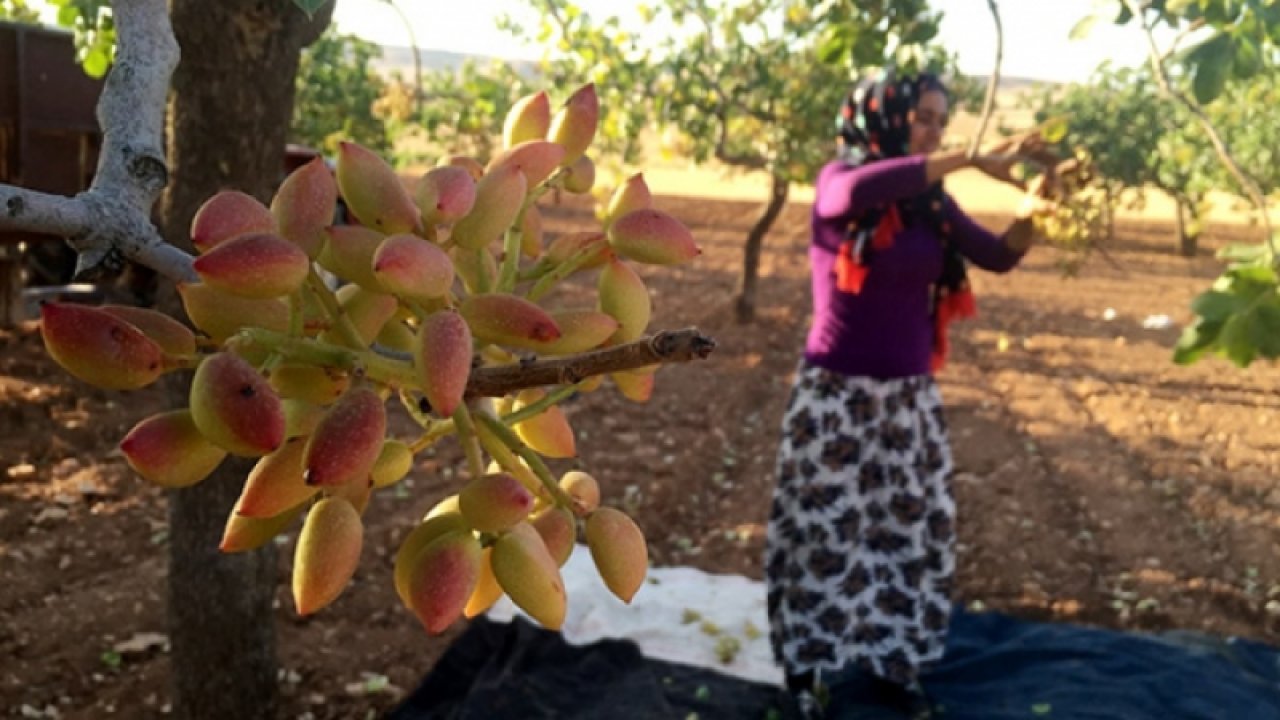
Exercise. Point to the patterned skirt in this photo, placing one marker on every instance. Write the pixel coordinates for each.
(860, 553)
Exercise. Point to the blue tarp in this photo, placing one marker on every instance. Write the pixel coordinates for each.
(996, 668)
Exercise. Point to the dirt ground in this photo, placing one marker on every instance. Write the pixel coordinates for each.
(1098, 482)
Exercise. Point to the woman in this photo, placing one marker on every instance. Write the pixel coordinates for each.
(860, 550)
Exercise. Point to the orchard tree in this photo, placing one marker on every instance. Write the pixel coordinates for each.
(337, 88)
(1136, 138)
(463, 109)
(227, 107)
(447, 308)
(742, 81)
(1239, 318)
(1245, 112)
(754, 98)
(606, 53)
(1184, 166)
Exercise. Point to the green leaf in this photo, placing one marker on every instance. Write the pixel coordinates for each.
(1211, 66)
(1254, 278)
(1215, 306)
(1195, 341)
(1243, 253)
(1054, 129)
(1236, 341)
(1041, 708)
(97, 61)
(1247, 60)
(834, 47)
(310, 6)
(1264, 327)
(1081, 29)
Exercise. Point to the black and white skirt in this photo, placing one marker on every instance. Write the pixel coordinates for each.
(860, 553)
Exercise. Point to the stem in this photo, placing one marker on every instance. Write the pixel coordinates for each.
(337, 316)
(316, 352)
(668, 346)
(534, 272)
(470, 444)
(484, 283)
(571, 265)
(1219, 145)
(511, 240)
(555, 180)
(295, 330)
(508, 460)
(511, 253)
(993, 84)
(432, 436)
(531, 458)
(537, 408)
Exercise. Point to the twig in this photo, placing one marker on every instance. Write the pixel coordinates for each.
(396, 369)
(1191, 27)
(665, 347)
(993, 84)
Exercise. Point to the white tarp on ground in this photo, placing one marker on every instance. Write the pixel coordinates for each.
(680, 615)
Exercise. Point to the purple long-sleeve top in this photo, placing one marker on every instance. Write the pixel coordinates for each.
(884, 331)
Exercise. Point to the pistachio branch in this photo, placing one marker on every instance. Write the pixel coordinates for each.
(111, 221)
(668, 346)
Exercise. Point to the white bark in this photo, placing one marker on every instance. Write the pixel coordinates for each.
(111, 221)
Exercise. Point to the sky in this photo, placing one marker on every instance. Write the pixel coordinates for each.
(1036, 42)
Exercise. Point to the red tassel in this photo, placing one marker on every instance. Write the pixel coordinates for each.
(850, 272)
(958, 304)
(941, 345)
(961, 303)
(889, 227)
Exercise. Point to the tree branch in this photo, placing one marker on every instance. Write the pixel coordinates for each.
(750, 162)
(111, 221)
(24, 210)
(1219, 145)
(668, 346)
(993, 84)
(1193, 26)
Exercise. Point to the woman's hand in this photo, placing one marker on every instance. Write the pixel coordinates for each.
(1035, 203)
(997, 161)
(1038, 198)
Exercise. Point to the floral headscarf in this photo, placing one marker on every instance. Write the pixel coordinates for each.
(875, 124)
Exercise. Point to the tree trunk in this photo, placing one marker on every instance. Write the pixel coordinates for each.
(1188, 237)
(745, 307)
(229, 111)
(1109, 213)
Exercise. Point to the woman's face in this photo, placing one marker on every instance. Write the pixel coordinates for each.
(928, 120)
